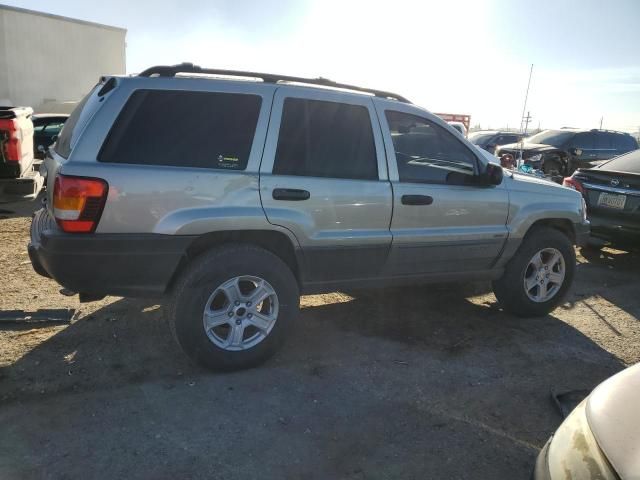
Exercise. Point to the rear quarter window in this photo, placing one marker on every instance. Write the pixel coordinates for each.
(187, 129)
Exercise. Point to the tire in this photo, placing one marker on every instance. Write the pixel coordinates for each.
(511, 289)
(202, 290)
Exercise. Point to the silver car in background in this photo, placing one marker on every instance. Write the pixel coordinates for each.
(229, 198)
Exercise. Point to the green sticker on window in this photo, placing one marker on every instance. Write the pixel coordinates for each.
(228, 161)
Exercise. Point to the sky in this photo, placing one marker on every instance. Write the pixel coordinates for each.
(452, 56)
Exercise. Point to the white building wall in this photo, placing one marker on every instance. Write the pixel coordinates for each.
(49, 62)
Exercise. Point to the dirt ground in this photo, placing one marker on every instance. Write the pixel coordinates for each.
(428, 382)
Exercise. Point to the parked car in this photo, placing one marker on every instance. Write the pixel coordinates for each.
(18, 178)
(46, 128)
(257, 191)
(600, 439)
(561, 152)
(612, 193)
(489, 140)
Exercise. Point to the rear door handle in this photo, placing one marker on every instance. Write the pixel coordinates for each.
(417, 200)
(290, 194)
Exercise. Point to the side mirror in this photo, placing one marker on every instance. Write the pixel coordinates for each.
(492, 175)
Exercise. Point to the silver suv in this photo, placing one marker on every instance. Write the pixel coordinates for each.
(231, 193)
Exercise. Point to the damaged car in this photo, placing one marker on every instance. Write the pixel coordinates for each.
(561, 152)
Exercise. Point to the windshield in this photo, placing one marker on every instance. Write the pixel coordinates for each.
(479, 138)
(629, 162)
(556, 138)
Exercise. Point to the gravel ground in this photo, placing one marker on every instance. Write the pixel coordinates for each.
(428, 382)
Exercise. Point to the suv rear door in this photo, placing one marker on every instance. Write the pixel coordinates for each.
(442, 222)
(323, 176)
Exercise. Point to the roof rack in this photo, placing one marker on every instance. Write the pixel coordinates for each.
(173, 70)
(609, 131)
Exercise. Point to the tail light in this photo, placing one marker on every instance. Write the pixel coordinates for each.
(574, 184)
(78, 202)
(11, 140)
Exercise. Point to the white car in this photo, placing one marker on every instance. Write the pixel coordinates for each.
(600, 439)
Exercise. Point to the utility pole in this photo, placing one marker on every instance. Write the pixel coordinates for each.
(526, 120)
(524, 109)
(601, 118)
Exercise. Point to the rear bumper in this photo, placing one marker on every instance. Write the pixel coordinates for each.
(130, 265)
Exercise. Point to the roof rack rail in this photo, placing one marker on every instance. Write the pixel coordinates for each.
(609, 131)
(173, 70)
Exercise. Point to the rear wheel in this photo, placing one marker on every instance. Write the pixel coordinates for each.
(233, 306)
(538, 276)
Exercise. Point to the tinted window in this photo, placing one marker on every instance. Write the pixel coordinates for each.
(604, 141)
(585, 141)
(624, 163)
(325, 139)
(187, 129)
(556, 138)
(510, 139)
(478, 138)
(426, 152)
(625, 143)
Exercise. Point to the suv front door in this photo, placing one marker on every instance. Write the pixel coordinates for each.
(324, 177)
(443, 222)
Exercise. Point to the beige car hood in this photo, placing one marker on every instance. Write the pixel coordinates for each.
(613, 413)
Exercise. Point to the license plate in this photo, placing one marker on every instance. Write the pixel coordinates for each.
(611, 200)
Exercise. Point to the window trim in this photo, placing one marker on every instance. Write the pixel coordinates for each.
(273, 135)
(394, 174)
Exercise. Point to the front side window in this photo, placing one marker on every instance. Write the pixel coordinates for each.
(604, 141)
(426, 152)
(186, 129)
(325, 139)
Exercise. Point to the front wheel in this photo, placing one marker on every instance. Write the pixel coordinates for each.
(233, 306)
(538, 276)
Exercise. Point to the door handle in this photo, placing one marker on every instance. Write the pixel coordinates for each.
(416, 200)
(290, 194)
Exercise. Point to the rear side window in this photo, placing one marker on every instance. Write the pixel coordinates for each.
(625, 143)
(325, 139)
(186, 129)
